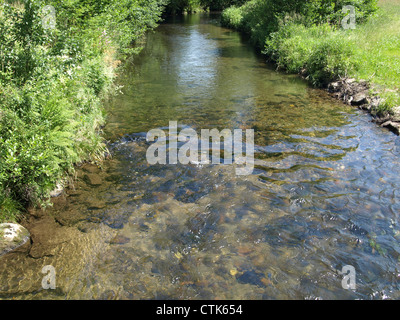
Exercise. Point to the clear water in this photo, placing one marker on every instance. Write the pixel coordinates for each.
(323, 195)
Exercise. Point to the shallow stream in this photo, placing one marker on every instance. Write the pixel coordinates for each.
(324, 193)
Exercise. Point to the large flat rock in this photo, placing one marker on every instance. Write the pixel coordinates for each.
(12, 236)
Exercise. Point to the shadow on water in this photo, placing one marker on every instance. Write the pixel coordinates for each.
(323, 193)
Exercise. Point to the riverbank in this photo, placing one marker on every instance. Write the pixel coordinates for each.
(360, 66)
(58, 62)
(358, 93)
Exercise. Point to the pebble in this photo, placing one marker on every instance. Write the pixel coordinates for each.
(244, 249)
(119, 239)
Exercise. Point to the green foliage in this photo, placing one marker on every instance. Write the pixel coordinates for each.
(233, 17)
(330, 11)
(52, 81)
(377, 45)
(256, 18)
(180, 6)
(9, 208)
(125, 21)
(390, 99)
(330, 59)
(302, 36)
(319, 51)
(260, 18)
(221, 4)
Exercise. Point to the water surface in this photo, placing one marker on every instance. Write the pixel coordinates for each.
(323, 194)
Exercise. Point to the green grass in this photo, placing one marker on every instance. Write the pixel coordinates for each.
(320, 52)
(10, 209)
(326, 53)
(378, 51)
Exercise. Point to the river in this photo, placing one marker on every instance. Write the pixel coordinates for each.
(323, 194)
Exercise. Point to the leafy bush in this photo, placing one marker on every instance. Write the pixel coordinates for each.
(320, 51)
(52, 82)
(330, 11)
(256, 18)
(221, 4)
(180, 6)
(261, 18)
(233, 17)
(330, 60)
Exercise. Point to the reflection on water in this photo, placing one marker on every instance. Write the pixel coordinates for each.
(323, 193)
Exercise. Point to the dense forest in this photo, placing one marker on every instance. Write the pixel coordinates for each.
(58, 62)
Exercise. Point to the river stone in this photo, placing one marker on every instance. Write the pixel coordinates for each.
(251, 277)
(396, 114)
(375, 102)
(12, 236)
(394, 126)
(48, 236)
(92, 179)
(334, 86)
(91, 168)
(70, 217)
(359, 99)
(119, 239)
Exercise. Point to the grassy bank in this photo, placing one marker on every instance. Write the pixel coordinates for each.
(312, 42)
(57, 65)
(377, 53)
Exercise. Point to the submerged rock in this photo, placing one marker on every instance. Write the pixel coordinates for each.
(119, 239)
(252, 277)
(92, 179)
(91, 168)
(70, 217)
(12, 236)
(48, 237)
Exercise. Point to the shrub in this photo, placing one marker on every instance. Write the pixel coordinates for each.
(256, 18)
(52, 82)
(320, 51)
(221, 4)
(330, 11)
(233, 17)
(261, 18)
(330, 60)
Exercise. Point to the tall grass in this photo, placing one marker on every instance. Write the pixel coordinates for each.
(378, 49)
(319, 52)
(323, 51)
